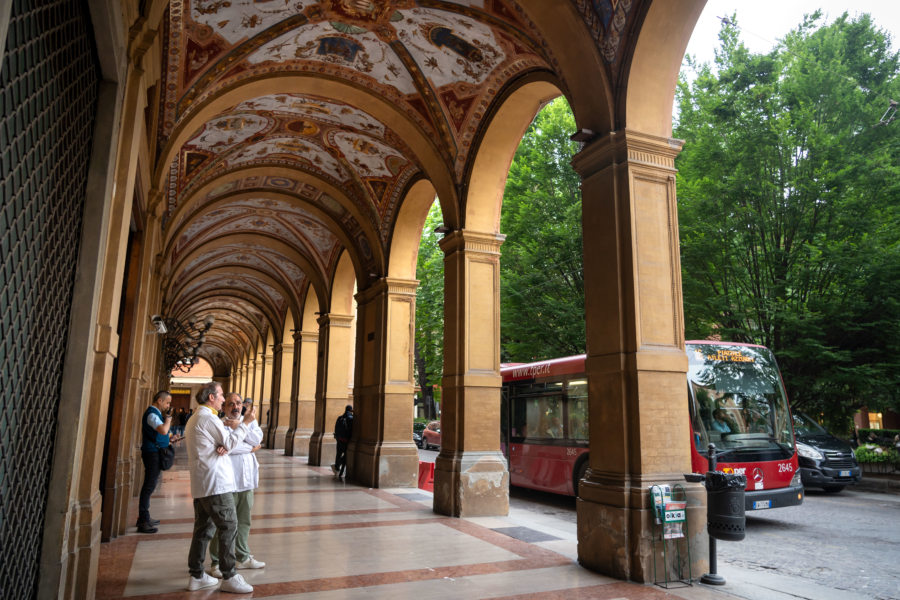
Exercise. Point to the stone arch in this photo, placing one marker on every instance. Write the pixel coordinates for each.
(655, 64)
(404, 245)
(236, 273)
(199, 197)
(489, 166)
(343, 284)
(267, 312)
(422, 146)
(578, 63)
(313, 272)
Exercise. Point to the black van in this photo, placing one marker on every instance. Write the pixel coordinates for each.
(825, 461)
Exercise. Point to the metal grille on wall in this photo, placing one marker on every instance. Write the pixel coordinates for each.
(48, 95)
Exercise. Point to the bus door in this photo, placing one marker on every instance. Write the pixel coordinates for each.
(537, 436)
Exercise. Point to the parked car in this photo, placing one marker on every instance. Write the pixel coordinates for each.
(431, 435)
(417, 433)
(825, 461)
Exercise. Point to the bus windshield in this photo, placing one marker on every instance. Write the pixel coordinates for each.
(738, 403)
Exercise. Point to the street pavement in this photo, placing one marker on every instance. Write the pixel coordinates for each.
(843, 546)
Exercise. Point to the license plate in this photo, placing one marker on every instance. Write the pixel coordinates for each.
(762, 504)
(844, 474)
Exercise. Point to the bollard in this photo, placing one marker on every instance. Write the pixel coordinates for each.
(712, 578)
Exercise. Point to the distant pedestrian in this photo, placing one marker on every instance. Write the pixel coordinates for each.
(155, 424)
(343, 429)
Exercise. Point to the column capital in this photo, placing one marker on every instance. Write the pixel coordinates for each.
(305, 336)
(335, 320)
(627, 146)
(391, 286)
(472, 241)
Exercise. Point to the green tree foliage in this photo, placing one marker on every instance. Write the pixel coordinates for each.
(429, 349)
(541, 273)
(788, 206)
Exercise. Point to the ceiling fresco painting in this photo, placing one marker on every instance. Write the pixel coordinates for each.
(361, 156)
(334, 109)
(253, 286)
(234, 305)
(259, 257)
(273, 218)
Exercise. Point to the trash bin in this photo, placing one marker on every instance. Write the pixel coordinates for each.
(725, 518)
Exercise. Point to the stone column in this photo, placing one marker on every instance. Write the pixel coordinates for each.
(245, 378)
(283, 366)
(382, 453)
(303, 388)
(331, 384)
(635, 363)
(470, 475)
(248, 378)
(266, 401)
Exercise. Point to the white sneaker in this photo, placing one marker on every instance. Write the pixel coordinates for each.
(203, 582)
(236, 585)
(334, 469)
(215, 571)
(250, 563)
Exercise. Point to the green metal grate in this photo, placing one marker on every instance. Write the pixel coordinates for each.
(48, 95)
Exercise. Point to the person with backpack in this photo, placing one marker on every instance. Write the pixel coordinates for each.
(343, 428)
(155, 424)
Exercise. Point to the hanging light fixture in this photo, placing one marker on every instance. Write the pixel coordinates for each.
(182, 340)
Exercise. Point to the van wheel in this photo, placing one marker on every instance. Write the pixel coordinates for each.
(832, 489)
(579, 475)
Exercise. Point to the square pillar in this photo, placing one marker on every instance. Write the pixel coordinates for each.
(303, 393)
(470, 475)
(279, 364)
(636, 365)
(331, 384)
(382, 453)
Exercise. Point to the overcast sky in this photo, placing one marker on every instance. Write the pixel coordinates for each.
(763, 22)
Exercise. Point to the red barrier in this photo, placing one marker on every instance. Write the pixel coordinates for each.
(426, 476)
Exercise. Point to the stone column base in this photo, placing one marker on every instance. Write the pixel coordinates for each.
(280, 435)
(321, 450)
(384, 465)
(471, 484)
(298, 443)
(617, 527)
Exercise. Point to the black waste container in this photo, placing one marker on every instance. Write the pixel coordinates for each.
(725, 518)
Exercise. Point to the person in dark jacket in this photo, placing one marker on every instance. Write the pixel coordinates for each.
(343, 428)
(155, 426)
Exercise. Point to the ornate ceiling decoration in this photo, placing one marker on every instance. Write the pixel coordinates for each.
(280, 181)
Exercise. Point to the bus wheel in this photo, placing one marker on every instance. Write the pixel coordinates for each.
(580, 471)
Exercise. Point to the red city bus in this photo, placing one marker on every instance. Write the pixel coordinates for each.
(736, 400)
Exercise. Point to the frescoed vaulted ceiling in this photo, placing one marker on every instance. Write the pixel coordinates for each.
(289, 131)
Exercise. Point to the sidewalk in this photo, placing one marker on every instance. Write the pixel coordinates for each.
(888, 484)
(325, 539)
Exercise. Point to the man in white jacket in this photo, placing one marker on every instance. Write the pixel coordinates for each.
(212, 487)
(246, 479)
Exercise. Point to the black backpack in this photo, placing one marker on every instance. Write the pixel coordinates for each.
(343, 427)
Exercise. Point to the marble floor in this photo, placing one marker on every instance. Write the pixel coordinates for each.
(325, 539)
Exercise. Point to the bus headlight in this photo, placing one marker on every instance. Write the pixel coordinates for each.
(795, 480)
(808, 452)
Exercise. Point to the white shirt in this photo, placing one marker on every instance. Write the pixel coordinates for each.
(211, 474)
(243, 460)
